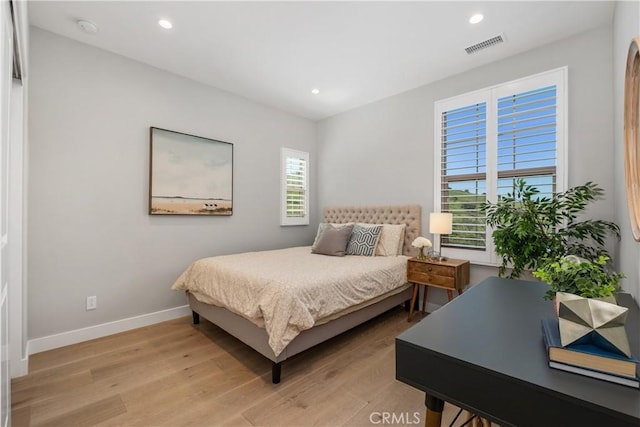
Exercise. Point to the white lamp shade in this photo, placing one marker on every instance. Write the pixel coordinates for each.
(440, 223)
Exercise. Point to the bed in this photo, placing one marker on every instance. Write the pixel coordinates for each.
(285, 301)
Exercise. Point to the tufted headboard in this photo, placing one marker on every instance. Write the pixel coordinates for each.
(411, 215)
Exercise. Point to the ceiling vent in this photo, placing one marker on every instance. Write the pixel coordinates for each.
(485, 44)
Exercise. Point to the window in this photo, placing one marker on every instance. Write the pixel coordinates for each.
(294, 170)
(485, 141)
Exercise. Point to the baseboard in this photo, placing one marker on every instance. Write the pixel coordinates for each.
(20, 367)
(50, 342)
(431, 307)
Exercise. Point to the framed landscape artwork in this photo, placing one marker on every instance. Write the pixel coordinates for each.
(189, 175)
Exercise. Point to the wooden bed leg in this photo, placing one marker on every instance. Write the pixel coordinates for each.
(275, 372)
(196, 318)
(407, 305)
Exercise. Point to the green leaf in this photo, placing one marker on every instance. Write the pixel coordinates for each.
(529, 229)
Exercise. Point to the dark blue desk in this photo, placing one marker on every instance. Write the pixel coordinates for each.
(483, 351)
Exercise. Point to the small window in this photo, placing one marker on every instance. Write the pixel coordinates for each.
(294, 175)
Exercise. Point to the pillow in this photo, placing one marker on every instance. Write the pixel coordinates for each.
(363, 240)
(333, 241)
(401, 240)
(391, 241)
(321, 228)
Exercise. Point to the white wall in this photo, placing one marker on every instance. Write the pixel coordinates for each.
(89, 231)
(626, 27)
(383, 152)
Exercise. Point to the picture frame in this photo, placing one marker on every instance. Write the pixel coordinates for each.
(189, 175)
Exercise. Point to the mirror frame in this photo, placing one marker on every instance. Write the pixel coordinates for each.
(631, 134)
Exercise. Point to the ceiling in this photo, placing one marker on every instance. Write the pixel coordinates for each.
(275, 53)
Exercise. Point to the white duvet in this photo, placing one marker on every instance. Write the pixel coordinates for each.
(289, 290)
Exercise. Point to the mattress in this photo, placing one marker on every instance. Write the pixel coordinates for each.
(290, 290)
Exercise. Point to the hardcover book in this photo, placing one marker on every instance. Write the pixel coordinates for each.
(630, 382)
(586, 355)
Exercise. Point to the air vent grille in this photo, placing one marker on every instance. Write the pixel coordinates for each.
(485, 44)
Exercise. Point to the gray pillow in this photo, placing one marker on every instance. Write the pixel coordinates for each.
(321, 227)
(333, 241)
(324, 225)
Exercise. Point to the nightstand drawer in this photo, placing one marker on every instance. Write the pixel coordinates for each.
(432, 279)
(431, 269)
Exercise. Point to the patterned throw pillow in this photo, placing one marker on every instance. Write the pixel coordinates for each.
(363, 240)
(391, 240)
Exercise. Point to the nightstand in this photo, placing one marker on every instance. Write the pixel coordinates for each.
(448, 274)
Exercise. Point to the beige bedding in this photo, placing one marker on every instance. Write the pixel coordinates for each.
(289, 290)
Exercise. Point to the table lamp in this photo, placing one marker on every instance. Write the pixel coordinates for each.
(440, 223)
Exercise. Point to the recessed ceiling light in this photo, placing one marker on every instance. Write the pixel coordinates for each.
(476, 18)
(167, 25)
(315, 91)
(87, 26)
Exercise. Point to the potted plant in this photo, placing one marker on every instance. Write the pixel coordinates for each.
(529, 228)
(575, 275)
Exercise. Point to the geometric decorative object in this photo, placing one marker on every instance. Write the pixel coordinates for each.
(592, 321)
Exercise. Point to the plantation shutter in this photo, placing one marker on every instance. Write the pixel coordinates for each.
(527, 140)
(463, 174)
(294, 208)
(484, 141)
(296, 186)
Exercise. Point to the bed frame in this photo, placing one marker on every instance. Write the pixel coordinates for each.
(257, 338)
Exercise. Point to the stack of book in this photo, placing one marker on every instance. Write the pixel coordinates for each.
(588, 359)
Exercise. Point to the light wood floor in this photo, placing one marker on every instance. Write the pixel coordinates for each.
(178, 374)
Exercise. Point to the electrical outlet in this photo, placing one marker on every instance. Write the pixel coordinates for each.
(92, 302)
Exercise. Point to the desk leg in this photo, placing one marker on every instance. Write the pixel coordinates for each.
(450, 294)
(433, 416)
(413, 301)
